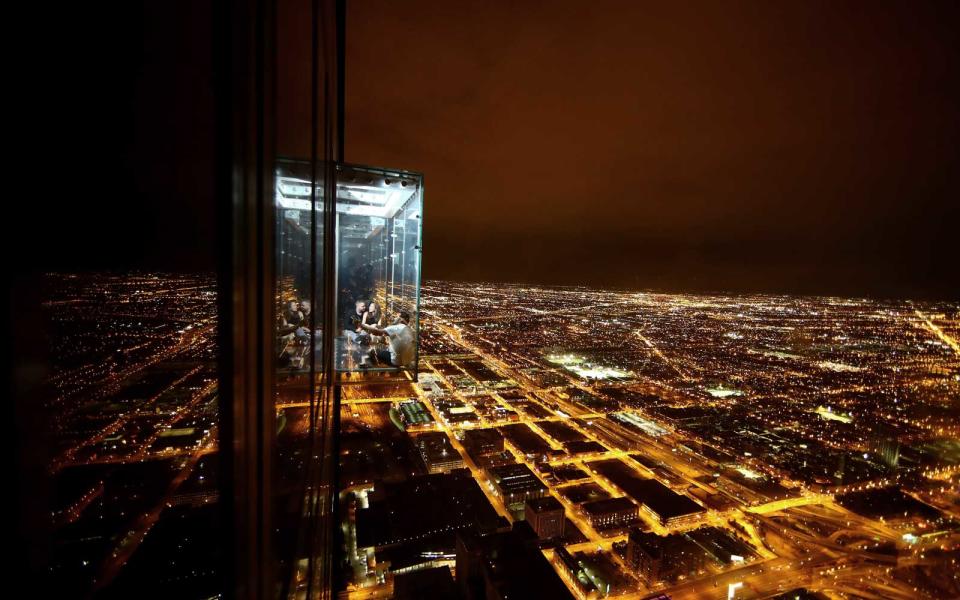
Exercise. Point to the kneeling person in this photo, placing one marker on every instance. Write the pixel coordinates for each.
(402, 352)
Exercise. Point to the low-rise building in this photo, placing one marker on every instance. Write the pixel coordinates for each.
(546, 516)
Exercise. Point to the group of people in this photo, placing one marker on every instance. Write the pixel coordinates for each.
(371, 341)
(377, 344)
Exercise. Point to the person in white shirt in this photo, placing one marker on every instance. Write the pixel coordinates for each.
(402, 352)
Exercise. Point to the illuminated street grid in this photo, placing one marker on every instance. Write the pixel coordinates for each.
(131, 429)
(793, 422)
(782, 417)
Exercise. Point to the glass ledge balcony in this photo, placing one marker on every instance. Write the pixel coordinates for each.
(379, 222)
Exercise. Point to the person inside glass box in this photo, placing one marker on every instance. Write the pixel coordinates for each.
(401, 351)
(351, 329)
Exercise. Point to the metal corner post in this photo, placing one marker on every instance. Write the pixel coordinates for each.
(244, 86)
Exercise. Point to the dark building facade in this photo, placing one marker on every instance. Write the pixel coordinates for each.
(507, 564)
(435, 583)
(224, 456)
(516, 483)
(610, 512)
(479, 442)
(546, 516)
(437, 453)
(657, 558)
(199, 100)
(422, 507)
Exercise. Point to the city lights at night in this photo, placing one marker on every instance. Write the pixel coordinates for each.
(431, 300)
(834, 480)
(770, 431)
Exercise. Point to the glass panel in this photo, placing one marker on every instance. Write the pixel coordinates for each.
(113, 318)
(128, 436)
(299, 296)
(379, 218)
(299, 244)
(301, 458)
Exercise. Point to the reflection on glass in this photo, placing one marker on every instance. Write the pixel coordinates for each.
(375, 229)
(299, 248)
(298, 350)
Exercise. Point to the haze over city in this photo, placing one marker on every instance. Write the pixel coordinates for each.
(790, 147)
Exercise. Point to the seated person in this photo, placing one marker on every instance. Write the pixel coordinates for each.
(305, 310)
(374, 316)
(293, 314)
(289, 319)
(352, 327)
(302, 332)
(402, 351)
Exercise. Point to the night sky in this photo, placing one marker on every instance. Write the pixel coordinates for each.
(764, 146)
(771, 146)
(120, 141)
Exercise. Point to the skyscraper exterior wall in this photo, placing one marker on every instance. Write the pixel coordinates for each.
(280, 74)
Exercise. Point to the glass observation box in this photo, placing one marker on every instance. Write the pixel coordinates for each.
(377, 247)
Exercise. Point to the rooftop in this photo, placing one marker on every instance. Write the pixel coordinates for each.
(608, 505)
(547, 503)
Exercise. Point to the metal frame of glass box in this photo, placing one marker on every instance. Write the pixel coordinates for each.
(378, 249)
(379, 239)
